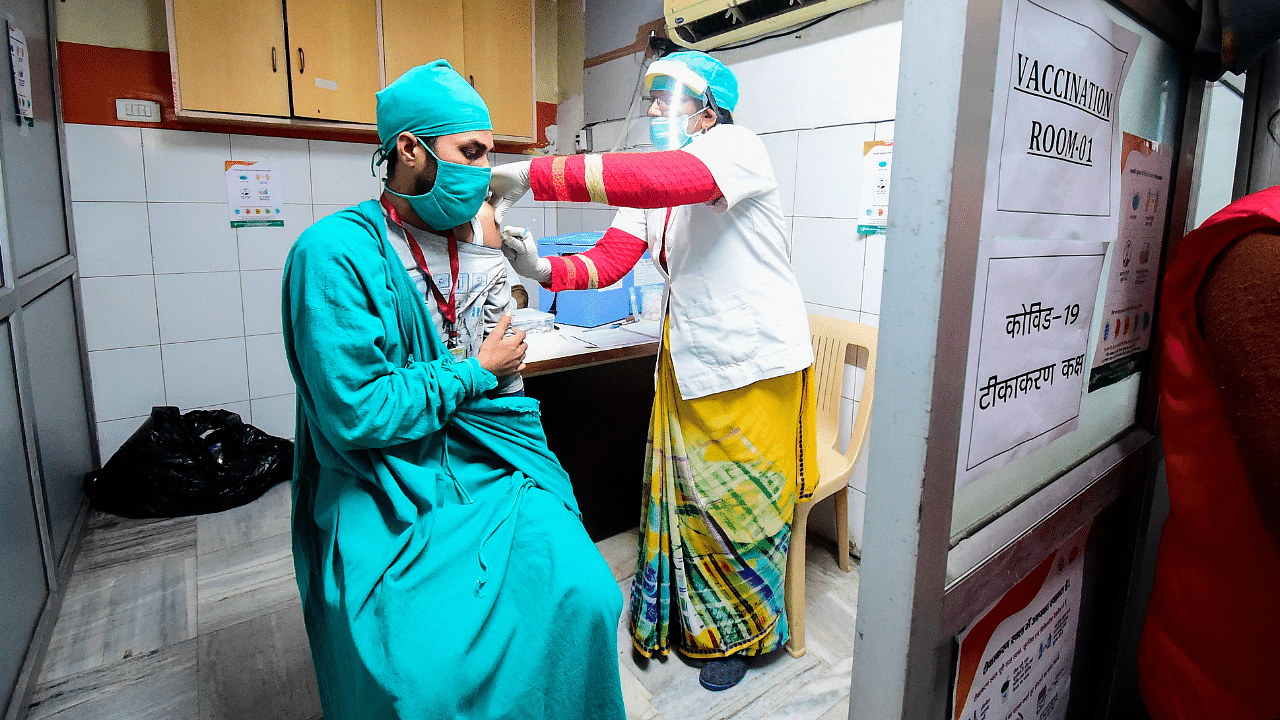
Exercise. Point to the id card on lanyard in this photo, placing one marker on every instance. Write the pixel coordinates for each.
(448, 307)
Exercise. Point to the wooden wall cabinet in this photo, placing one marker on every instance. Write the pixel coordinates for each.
(230, 55)
(335, 68)
(230, 60)
(482, 40)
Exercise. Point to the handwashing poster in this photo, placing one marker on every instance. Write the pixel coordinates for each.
(253, 194)
(877, 163)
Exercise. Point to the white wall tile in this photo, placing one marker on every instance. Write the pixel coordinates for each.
(859, 372)
(530, 218)
(340, 173)
(568, 220)
(857, 516)
(112, 238)
(871, 319)
(104, 162)
(791, 230)
(884, 130)
(550, 218)
(113, 433)
(199, 306)
(873, 273)
(261, 292)
(320, 211)
(275, 415)
(185, 166)
(847, 409)
(243, 408)
(206, 373)
(849, 381)
(126, 382)
(828, 256)
(268, 367)
(842, 70)
(290, 157)
(263, 248)
(782, 149)
(829, 175)
(192, 237)
(597, 219)
(858, 479)
(838, 313)
(120, 311)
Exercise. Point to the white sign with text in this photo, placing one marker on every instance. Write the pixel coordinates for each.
(1032, 310)
(1053, 161)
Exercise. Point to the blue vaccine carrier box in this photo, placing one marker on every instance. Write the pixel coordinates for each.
(586, 308)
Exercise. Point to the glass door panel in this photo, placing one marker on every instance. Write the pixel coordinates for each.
(1149, 108)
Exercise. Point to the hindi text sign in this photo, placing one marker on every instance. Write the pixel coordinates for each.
(1033, 308)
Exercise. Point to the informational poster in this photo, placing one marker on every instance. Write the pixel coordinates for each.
(1124, 330)
(21, 64)
(877, 163)
(1055, 127)
(1033, 308)
(253, 194)
(1015, 658)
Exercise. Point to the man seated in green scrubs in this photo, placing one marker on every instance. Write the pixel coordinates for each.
(442, 563)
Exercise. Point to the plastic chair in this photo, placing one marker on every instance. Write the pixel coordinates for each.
(831, 340)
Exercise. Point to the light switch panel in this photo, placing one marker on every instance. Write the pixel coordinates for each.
(137, 110)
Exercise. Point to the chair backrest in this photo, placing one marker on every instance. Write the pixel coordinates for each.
(831, 340)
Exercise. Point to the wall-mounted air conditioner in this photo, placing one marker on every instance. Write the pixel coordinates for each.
(707, 24)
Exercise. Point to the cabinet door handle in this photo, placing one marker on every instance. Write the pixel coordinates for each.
(302, 62)
(273, 58)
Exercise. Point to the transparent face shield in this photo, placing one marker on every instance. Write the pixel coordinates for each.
(674, 95)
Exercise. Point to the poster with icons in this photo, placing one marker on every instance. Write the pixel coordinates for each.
(21, 64)
(1015, 658)
(253, 194)
(877, 162)
(1124, 332)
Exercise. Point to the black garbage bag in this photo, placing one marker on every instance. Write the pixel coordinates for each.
(202, 462)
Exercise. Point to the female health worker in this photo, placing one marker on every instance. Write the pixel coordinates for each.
(731, 436)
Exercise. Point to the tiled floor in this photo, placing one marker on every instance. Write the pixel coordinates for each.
(199, 617)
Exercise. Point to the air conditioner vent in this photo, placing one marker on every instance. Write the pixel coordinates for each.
(708, 24)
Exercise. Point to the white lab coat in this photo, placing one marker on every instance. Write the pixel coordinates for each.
(735, 308)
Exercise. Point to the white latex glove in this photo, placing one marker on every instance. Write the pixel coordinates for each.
(522, 251)
(507, 184)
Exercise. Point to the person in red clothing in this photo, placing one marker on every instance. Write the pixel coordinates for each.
(732, 431)
(1210, 645)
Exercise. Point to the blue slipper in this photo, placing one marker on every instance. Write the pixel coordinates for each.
(722, 673)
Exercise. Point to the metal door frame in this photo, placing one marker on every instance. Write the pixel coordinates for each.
(908, 611)
(15, 294)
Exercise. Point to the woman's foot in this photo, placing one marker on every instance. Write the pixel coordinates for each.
(722, 673)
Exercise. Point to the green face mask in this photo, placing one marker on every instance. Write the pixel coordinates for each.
(456, 196)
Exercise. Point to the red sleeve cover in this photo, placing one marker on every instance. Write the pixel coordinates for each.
(635, 180)
(603, 265)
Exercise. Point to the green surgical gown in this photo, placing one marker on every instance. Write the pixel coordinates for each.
(441, 559)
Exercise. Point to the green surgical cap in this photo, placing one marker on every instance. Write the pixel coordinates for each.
(429, 101)
(720, 79)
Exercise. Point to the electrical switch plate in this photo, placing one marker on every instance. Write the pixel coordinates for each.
(137, 110)
(582, 140)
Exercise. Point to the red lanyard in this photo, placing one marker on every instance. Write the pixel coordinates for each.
(449, 308)
(663, 254)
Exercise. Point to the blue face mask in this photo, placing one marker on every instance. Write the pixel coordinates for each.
(670, 133)
(456, 196)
